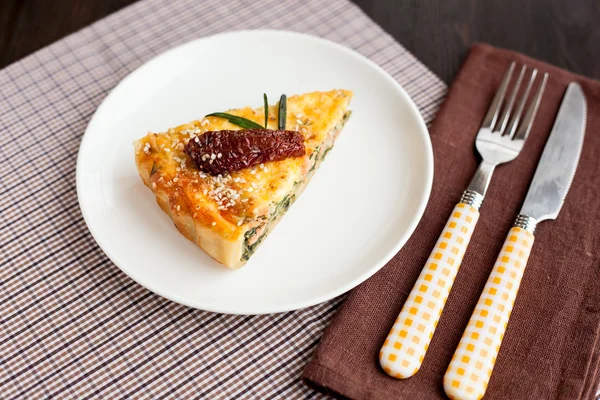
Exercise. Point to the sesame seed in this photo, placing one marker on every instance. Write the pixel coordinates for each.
(211, 161)
(197, 139)
(244, 200)
(153, 185)
(299, 122)
(254, 185)
(202, 175)
(213, 156)
(147, 148)
(219, 155)
(214, 223)
(240, 223)
(253, 171)
(175, 179)
(236, 180)
(250, 189)
(205, 191)
(178, 207)
(167, 150)
(262, 166)
(266, 169)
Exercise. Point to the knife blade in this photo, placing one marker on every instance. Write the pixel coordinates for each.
(556, 168)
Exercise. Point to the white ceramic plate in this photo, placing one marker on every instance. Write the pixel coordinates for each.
(357, 212)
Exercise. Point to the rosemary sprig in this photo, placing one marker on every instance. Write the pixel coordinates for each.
(266, 109)
(248, 124)
(282, 115)
(236, 120)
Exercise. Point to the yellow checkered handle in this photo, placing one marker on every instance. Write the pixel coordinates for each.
(402, 352)
(469, 371)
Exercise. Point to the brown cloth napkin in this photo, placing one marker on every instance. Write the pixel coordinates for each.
(551, 347)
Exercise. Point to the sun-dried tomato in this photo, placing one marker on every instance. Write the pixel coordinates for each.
(221, 152)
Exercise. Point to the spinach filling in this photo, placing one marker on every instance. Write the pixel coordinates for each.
(325, 153)
(249, 249)
(282, 206)
(280, 209)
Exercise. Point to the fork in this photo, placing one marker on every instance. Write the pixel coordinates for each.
(499, 140)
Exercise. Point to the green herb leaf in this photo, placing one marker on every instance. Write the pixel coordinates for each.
(325, 153)
(282, 112)
(239, 121)
(154, 168)
(266, 109)
(284, 204)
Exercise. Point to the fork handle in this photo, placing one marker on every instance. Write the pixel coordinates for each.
(404, 348)
(469, 371)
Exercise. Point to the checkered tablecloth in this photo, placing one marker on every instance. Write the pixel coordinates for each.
(72, 325)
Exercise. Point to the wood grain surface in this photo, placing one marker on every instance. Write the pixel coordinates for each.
(563, 32)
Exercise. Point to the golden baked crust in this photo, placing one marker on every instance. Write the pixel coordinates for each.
(228, 216)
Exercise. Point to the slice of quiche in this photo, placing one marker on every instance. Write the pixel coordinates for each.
(229, 214)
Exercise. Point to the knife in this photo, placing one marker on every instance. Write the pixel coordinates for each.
(469, 371)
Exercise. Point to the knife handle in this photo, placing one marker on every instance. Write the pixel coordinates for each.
(404, 348)
(469, 371)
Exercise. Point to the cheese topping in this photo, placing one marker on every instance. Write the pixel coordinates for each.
(234, 203)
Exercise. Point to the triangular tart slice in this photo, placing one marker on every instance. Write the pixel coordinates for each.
(229, 215)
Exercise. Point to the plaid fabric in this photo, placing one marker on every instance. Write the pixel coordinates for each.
(72, 324)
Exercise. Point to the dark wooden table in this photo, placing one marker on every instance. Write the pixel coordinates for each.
(563, 32)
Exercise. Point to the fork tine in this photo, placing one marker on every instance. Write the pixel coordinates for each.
(492, 114)
(514, 123)
(511, 101)
(525, 126)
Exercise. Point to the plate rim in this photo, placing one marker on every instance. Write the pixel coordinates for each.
(289, 306)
